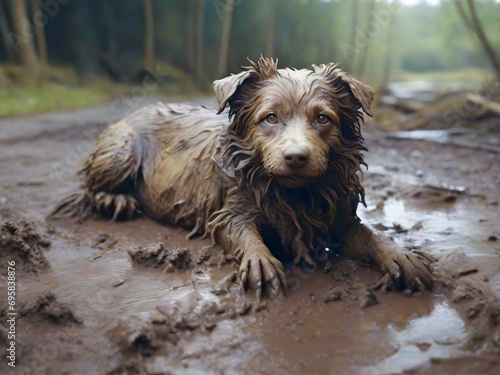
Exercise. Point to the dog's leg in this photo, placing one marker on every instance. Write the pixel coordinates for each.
(407, 270)
(111, 174)
(301, 251)
(259, 269)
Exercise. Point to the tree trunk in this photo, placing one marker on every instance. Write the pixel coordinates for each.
(271, 31)
(191, 37)
(354, 21)
(199, 40)
(4, 30)
(364, 52)
(22, 39)
(149, 35)
(40, 35)
(386, 73)
(475, 26)
(224, 41)
(483, 39)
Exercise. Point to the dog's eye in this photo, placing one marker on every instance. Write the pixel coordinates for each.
(272, 119)
(322, 120)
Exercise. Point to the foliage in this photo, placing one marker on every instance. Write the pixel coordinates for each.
(107, 37)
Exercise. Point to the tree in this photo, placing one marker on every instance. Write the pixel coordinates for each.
(364, 52)
(199, 40)
(149, 35)
(41, 42)
(386, 73)
(473, 23)
(22, 39)
(224, 41)
(4, 30)
(190, 36)
(271, 29)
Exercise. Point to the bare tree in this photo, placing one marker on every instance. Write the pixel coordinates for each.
(364, 52)
(386, 73)
(354, 21)
(199, 40)
(271, 31)
(4, 30)
(149, 35)
(41, 41)
(224, 41)
(190, 36)
(471, 20)
(22, 39)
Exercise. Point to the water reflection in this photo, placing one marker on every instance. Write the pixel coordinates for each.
(436, 335)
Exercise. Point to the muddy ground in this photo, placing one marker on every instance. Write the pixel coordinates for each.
(136, 297)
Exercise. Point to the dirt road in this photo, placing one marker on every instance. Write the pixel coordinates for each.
(136, 297)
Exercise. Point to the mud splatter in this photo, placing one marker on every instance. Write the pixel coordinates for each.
(20, 242)
(179, 259)
(48, 307)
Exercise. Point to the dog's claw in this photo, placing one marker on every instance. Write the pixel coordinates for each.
(258, 295)
(302, 252)
(405, 270)
(385, 283)
(264, 274)
(120, 206)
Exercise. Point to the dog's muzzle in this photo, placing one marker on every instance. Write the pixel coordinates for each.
(296, 157)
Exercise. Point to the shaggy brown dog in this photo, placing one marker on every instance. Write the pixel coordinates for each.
(284, 162)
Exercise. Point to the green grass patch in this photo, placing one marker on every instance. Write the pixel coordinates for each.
(26, 100)
(52, 97)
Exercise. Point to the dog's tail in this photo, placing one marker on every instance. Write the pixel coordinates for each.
(75, 205)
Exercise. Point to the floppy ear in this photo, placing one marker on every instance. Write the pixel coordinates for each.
(349, 90)
(225, 88)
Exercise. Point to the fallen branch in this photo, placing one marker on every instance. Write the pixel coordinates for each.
(483, 103)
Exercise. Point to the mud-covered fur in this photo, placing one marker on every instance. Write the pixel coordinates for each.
(285, 158)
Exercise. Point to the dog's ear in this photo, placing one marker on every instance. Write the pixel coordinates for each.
(227, 89)
(349, 90)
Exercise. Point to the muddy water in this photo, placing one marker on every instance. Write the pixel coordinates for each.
(97, 311)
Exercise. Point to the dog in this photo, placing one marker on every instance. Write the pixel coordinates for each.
(277, 169)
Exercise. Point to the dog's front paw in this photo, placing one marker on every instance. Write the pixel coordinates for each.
(263, 273)
(410, 271)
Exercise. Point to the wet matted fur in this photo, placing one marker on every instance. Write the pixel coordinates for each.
(283, 162)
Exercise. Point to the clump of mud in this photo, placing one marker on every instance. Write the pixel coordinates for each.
(48, 307)
(172, 321)
(21, 243)
(158, 255)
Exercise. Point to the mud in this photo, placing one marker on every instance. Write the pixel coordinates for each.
(138, 298)
(158, 255)
(19, 242)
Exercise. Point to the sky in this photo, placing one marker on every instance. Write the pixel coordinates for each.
(415, 2)
(429, 2)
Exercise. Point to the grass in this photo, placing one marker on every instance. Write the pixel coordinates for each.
(52, 97)
(29, 100)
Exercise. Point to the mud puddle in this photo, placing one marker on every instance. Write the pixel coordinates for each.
(136, 297)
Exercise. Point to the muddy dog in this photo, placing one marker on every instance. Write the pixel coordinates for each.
(283, 162)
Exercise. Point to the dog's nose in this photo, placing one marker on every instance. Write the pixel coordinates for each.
(296, 157)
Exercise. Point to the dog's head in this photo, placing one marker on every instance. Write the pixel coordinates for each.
(294, 121)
